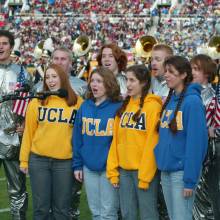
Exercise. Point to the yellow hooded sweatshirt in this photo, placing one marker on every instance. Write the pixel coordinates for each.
(133, 142)
(48, 129)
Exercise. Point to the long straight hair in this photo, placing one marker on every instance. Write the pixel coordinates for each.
(182, 65)
(142, 74)
(71, 98)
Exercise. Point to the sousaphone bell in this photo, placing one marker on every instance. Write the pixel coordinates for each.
(144, 46)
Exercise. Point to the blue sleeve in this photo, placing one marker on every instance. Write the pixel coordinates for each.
(77, 142)
(196, 142)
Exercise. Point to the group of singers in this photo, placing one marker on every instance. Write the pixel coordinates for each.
(139, 134)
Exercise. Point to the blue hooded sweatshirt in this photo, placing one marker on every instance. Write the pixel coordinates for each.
(186, 149)
(92, 134)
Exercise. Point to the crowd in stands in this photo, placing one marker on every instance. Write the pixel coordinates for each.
(184, 34)
(200, 7)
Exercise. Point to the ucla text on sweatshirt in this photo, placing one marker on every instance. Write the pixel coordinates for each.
(133, 142)
(48, 129)
(92, 135)
(186, 149)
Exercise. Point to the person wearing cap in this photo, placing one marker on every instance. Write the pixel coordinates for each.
(15, 56)
(41, 66)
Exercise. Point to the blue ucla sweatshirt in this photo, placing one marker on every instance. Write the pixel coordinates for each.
(92, 134)
(186, 149)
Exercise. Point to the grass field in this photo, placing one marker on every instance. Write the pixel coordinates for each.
(4, 204)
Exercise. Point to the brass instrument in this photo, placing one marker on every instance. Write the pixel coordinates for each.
(212, 48)
(81, 45)
(42, 53)
(144, 46)
(38, 50)
(215, 43)
(43, 48)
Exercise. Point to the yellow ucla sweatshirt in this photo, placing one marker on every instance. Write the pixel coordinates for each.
(133, 142)
(48, 129)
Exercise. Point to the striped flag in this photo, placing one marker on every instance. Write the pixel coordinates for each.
(213, 113)
(19, 105)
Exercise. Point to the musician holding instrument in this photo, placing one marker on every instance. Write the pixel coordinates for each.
(41, 66)
(46, 150)
(10, 129)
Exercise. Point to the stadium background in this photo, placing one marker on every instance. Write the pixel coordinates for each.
(187, 26)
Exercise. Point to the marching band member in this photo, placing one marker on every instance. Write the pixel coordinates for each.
(10, 74)
(41, 66)
(158, 84)
(63, 56)
(203, 71)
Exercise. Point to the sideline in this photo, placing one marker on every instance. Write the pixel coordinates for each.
(4, 210)
(2, 179)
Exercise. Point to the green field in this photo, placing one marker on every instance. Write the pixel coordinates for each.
(4, 204)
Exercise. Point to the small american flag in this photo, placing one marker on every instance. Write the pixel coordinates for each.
(213, 113)
(20, 106)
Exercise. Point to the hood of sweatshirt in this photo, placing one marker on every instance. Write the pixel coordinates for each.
(192, 89)
(148, 98)
(102, 105)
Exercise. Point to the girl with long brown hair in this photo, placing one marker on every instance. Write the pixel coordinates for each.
(46, 150)
(183, 139)
(92, 138)
(131, 162)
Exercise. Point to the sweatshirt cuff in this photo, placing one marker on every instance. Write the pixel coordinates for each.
(114, 180)
(24, 164)
(189, 185)
(77, 168)
(143, 185)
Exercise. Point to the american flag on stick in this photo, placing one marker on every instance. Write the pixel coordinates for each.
(20, 105)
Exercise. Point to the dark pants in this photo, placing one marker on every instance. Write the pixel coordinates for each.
(16, 189)
(162, 209)
(214, 181)
(51, 183)
(76, 192)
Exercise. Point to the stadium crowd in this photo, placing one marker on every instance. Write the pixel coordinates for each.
(42, 22)
(114, 27)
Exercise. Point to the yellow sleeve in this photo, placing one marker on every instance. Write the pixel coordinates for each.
(148, 166)
(31, 125)
(79, 101)
(112, 172)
